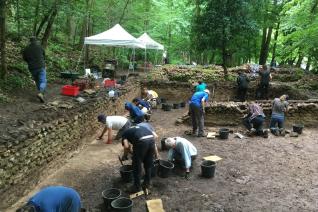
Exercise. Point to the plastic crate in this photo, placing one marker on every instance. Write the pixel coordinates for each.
(109, 83)
(70, 90)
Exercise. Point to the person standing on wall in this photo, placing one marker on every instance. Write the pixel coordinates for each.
(242, 86)
(197, 110)
(34, 55)
(266, 77)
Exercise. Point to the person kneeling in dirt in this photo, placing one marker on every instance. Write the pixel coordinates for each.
(151, 96)
(143, 149)
(111, 123)
(53, 199)
(136, 115)
(144, 107)
(242, 86)
(197, 110)
(181, 152)
(280, 106)
(254, 120)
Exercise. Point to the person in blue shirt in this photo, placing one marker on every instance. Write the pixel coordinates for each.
(136, 115)
(197, 105)
(53, 199)
(144, 106)
(181, 152)
(200, 87)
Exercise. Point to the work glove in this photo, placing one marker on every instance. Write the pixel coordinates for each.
(187, 176)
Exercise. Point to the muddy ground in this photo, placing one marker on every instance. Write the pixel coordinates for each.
(256, 174)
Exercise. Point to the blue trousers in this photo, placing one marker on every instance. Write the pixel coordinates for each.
(39, 76)
(277, 120)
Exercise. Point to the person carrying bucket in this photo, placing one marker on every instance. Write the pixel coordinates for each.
(143, 149)
(53, 199)
(111, 123)
(182, 152)
(197, 110)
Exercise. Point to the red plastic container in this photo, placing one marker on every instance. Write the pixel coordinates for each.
(70, 90)
(109, 83)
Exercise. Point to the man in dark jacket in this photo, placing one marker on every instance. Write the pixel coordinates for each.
(242, 83)
(266, 77)
(34, 55)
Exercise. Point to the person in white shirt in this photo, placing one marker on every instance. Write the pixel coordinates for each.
(182, 152)
(111, 123)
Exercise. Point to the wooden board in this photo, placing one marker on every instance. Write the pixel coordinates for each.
(211, 135)
(212, 158)
(155, 205)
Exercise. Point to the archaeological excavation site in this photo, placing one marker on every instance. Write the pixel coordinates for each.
(58, 143)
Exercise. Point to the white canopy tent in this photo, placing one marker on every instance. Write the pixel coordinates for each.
(117, 37)
(149, 42)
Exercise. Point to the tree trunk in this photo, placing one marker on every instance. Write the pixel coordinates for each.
(265, 45)
(3, 72)
(36, 15)
(44, 20)
(275, 43)
(49, 27)
(308, 64)
(18, 17)
(300, 59)
(123, 13)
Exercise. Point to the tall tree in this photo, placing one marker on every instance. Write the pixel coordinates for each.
(3, 38)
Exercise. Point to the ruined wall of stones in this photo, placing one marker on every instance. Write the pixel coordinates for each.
(231, 113)
(24, 160)
(223, 91)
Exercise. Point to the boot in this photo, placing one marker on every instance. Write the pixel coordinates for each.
(41, 97)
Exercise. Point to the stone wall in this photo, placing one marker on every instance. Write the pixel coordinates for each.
(223, 90)
(38, 146)
(231, 113)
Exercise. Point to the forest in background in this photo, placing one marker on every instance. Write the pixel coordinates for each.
(227, 32)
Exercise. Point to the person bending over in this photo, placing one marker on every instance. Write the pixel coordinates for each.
(136, 115)
(181, 152)
(53, 199)
(111, 123)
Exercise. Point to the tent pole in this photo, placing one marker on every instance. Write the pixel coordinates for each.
(145, 60)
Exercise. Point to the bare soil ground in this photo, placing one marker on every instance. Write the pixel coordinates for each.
(256, 174)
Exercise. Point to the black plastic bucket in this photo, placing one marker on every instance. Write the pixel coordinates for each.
(176, 105)
(126, 173)
(208, 168)
(298, 128)
(154, 169)
(122, 204)
(182, 104)
(167, 107)
(109, 195)
(224, 133)
(163, 144)
(163, 100)
(165, 168)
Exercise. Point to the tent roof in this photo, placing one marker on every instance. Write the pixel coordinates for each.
(116, 36)
(149, 42)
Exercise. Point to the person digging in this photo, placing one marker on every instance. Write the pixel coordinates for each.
(143, 149)
(144, 106)
(182, 153)
(254, 120)
(111, 123)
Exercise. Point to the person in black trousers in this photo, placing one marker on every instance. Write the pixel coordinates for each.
(143, 149)
(242, 83)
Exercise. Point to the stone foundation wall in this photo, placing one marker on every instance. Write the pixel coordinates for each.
(36, 147)
(230, 113)
(223, 91)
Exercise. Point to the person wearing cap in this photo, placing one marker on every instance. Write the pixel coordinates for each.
(53, 199)
(144, 106)
(197, 110)
(136, 115)
(34, 55)
(255, 119)
(279, 108)
(111, 123)
(142, 141)
(181, 152)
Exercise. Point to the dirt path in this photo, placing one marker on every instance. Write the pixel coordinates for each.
(256, 174)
